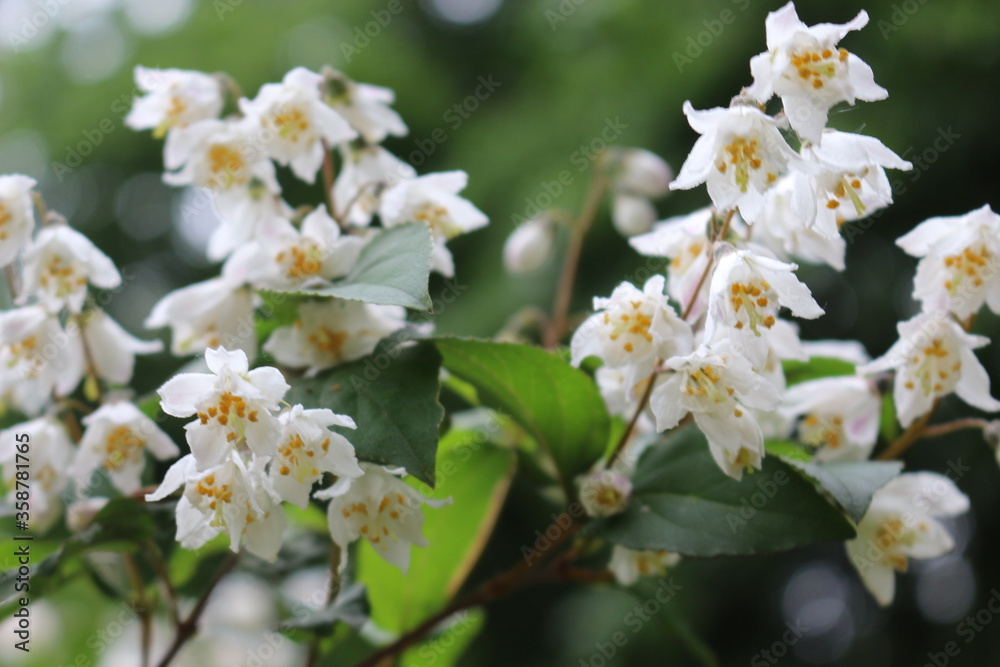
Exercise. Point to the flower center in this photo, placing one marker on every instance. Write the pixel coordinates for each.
(819, 430)
(934, 368)
(5, 217)
(227, 165)
(846, 189)
(376, 528)
(290, 124)
(61, 276)
(968, 264)
(812, 66)
(121, 445)
(741, 154)
(754, 303)
(328, 341)
(436, 216)
(295, 457)
(301, 261)
(888, 535)
(705, 383)
(633, 325)
(229, 411)
(212, 492)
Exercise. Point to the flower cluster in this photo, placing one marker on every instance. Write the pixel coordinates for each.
(300, 123)
(708, 343)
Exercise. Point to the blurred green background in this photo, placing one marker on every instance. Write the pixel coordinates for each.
(565, 69)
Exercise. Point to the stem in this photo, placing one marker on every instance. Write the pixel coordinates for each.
(494, 589)
(335, 557)
(957, 425)
(643, 402)
(156, 559)
(577, 232)
(141, 606)
(88, 357)
(909, 436)
(708, 267)
(189, 626)
(13, 285)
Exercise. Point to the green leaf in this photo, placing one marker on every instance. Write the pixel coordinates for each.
(683, 503)
(392, 395)
(558, 405)
(392, 270)
(447, 646)
(888, 427)
(816, 367)
(788, 449)
(278, 309)
(851, 483)
(476, 476)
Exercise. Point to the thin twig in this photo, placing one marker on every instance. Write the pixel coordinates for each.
(156, 559)
(141, 606)
(957, 425)
(189, 626)
(336, 554)
(496, 588)
(643, 402)
(911, 435)
(577, 232)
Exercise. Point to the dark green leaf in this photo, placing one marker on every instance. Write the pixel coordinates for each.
(392, 270)
(683, 503)
(851, 483)
(888, 427)
(392, 395)
(558, 405)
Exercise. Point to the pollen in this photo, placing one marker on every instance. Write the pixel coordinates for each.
(328, 341)
(121, 445)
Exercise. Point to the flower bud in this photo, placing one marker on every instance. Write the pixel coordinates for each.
(632, 215)
(529, 246)
(991, 434)
(643, 173)
(604, 493)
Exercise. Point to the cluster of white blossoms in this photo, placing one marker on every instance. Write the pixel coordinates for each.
(247, 453)
(55, 337)
(708, 344)
(266, 244)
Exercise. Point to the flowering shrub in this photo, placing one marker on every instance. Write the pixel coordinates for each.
(313, 390)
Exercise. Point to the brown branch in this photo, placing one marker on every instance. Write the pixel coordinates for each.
(910, 436)
(189, 626)
(156, 559)
(141, 606)
(957, 425)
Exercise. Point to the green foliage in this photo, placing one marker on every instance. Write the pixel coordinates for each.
(392, 270)
(851, 483)
(476, 476)
(392, 396)
(788, 449)
(888, 427)
(683, 503)
(558, 405)
(446, 647)
(815, 368)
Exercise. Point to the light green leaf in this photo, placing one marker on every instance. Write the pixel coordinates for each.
(816, 367)
(888, 427)
(392, 270)
(476, 476)
(558, 405)
(392, 396)
(788, 449)
(683, 503)
(447, 646)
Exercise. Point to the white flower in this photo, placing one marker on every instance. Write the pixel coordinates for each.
(116, 436)
(959, 269)
(222, 155)
(900, 525)
(784, 229)
(804, 67)
(529, 245)
(332, 332)
(380, 507)
(112, 349)
(226, 497)
(641, 173)
(850, 351)
(244, 213)
(233, 405)
(37, 358)
(840, 416)
(621, 398)
(717, 385)
(299, 122)
(933, 358)
(285, 258)
(17, 215)
(628, 565)
(175, 98)
(847, 181)
(684, 240)
(604, 492)
(631, 330)
(81, 513)
(632, 214)
(366, 107)
(745, 294)
(59, 264)
(739, 156)
(49, 453)
(433, 199)
(307, 448)
(215, 312)
(365, 173)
